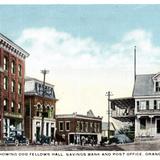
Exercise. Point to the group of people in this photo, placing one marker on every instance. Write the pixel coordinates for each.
(88, 140)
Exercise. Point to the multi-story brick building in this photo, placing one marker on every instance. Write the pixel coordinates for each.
(71, 128)
(12, 70)
(34, 108)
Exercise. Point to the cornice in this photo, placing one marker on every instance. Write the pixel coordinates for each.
(11, 47)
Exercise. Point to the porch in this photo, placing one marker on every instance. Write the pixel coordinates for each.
(147, 127)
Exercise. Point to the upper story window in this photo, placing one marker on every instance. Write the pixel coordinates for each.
(147, 105)
(5, 63)
(5, 103)
(19, 88)
(13, 86)
(19, 70)
(67, 126)
(13, 67)
(19, 107)
(5, 83)
(157, 87)
(61, 126)
(86, 126)
(12, 106)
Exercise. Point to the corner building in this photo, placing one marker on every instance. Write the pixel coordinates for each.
(12, 71)
(34, 109)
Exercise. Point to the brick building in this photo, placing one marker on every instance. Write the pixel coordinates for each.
(12, 70)
(34, 108)
(72, 128)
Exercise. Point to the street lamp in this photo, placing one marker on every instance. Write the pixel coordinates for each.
(44, 72)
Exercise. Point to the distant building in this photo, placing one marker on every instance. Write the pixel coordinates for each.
(34, 107)
(12, 71)
(72, 128)
(105, 129)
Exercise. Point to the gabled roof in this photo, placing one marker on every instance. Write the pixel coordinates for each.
(144, 86)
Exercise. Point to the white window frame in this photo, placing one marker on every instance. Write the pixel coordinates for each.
(66, 125)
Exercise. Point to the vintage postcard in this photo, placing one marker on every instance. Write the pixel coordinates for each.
(79, 80)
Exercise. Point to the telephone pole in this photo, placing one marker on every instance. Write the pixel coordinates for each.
(109, 94)
(44, 72)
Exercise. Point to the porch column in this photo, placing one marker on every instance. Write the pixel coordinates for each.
(151, 125)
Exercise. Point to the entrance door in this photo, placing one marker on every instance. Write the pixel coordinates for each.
(37, 133)
(158, 126)
(52, 134)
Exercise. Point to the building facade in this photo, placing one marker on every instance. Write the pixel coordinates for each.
(147, 106)
(72, 128)
(142, 109)
(34, 109)
(12, 71)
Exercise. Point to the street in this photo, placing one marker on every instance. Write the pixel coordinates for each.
(145, 146)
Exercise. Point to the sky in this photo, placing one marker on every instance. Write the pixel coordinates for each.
(88, 49)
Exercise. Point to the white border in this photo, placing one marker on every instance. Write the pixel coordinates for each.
(79, 2)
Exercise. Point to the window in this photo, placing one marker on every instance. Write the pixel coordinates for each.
(19, 107)
(67, 126)
(19, 70)
(138, 105)
(142, 123)
(61, 126)
(155, 104)
(147, 105)
(19, 88)
(142, 105)
(47, 129)
(157, 86)
(5, 83)
(95, 129)
(5, 103)
(13, 86)
(86, 126)
(12, 106)
(5, 63)
(158, 104)
(78, 126)
(13, 69)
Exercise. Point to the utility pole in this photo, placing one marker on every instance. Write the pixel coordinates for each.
(109, 94)
(44, 72)
(135, 64)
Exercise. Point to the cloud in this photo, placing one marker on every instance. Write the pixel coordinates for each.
(83, 69)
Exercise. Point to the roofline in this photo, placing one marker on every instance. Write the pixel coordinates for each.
(29, 94)
(77, 116)
(27, 78)
(13, 44)
(123, 98)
